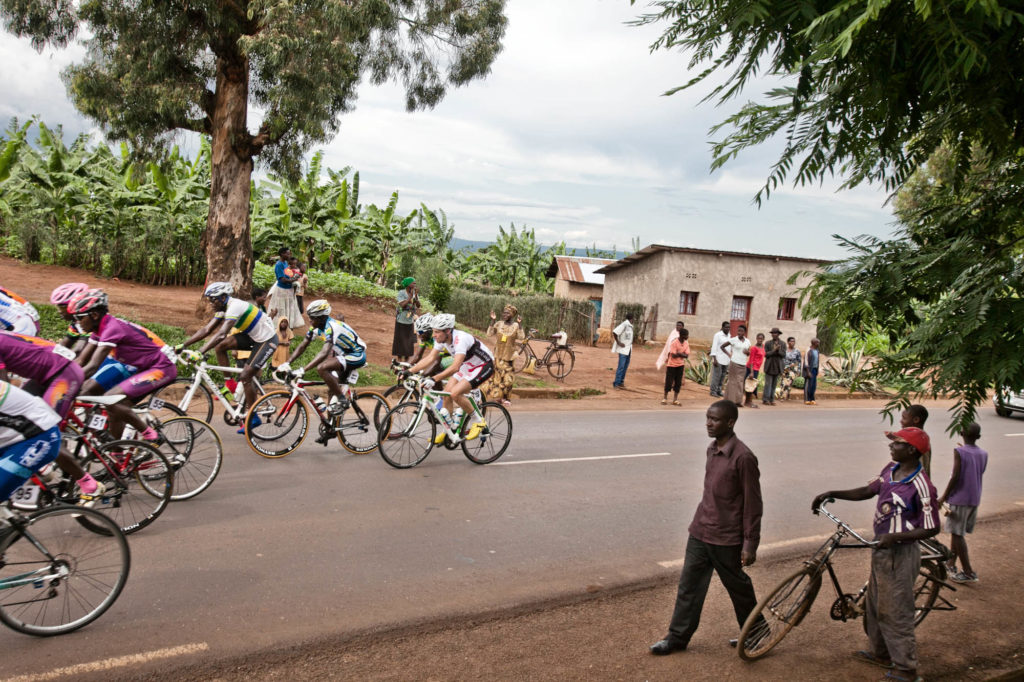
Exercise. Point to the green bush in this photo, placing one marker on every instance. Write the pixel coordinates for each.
(323, 283)
(699, 369)
(544, 313)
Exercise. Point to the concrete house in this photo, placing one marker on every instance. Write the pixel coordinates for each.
(703, 288)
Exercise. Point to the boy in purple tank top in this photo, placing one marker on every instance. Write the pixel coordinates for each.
(963, 493)
(906, 512)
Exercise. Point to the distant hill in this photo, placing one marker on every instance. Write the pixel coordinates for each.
(458, 244)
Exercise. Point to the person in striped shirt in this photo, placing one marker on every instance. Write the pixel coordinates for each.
(907, 511)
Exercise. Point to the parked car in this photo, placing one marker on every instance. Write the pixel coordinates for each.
(1007, 402)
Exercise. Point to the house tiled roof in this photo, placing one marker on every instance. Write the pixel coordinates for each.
(578, 269)
(655, 248)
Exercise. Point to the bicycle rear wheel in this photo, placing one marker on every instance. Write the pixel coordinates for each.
(200, 407)
(926, 588)
(778, 613)
(195, 452)
(139, 483)
(358, 429)
(55, 576)
(493, 440)
(283, 424)
(406, 435)
(521, 358)
(560, 362)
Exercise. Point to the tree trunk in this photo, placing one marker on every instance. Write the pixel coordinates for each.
(226, 241)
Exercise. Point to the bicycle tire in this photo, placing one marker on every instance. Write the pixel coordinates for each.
(394, 395)
(926, 588)
(283, 427)
(358, 430)
(493, 440)
(96, 565)
(778, 613)
(521, 358)
(560, 362)
(408, 437)
(138, 480)
(201, 405)
(195, 452)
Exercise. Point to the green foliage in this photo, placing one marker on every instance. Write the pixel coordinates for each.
(623, 309)
(514, 262)
(540, 312)
(439, 291)
(699, 369)
(323, 283)
(846, 370)
(869, 88)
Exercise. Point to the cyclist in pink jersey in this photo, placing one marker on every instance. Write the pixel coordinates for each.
(52, 374)
(130, 344)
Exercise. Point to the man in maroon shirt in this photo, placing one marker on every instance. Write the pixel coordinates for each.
(725, 532)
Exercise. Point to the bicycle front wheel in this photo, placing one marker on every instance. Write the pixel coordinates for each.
(195, 452)
(560, 362)
(778, 613)
(406, 435)
(493, 440)
(926, 588)
(200, 406)
(56, 576)
(278, 423)
(358, 430)
(394, 395)
(138, 483)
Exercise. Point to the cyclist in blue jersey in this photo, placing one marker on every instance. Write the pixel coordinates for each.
(342, 352)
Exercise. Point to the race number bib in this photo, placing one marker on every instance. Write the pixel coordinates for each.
(98, 421)
(353, 377)
(65, 353)
(27, 495)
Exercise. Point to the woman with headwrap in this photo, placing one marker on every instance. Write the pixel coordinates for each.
(408, 305)
(509, 334)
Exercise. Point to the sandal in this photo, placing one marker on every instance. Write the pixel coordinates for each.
(664, 402)
(676, 402)
(869, 657)
(901, 676)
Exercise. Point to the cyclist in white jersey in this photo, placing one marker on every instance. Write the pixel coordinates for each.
(343, 351)
(29, 437)
(17, 317)
(255, 333)
(472, 365)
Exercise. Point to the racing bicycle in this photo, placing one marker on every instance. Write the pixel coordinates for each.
(558, 359)
(277, 423)
(408, 430)
(195, 396)
(55, 575)
(786, 605)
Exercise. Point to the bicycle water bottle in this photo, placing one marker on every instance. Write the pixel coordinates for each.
(457, 417)
(446, 416)
(225, 392)
(439, 405)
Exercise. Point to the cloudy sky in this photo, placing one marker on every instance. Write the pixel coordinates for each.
(569, 135)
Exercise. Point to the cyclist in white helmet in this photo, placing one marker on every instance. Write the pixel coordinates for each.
(343, 351)
(17, 315)
(255, 333)
(472, 365)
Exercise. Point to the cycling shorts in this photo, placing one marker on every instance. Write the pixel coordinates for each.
(146, 381)
(111, 373)
(260, 353)
(347, 367)
(475, 373)
(19, 461)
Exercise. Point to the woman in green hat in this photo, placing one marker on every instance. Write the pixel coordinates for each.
(408, 307)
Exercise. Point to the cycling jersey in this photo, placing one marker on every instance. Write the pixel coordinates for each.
(132, 344)
(345, 341)
(29, 308)
(22, 416)
(248, 319)
(15, 317)
(466, 344)
(31, 357)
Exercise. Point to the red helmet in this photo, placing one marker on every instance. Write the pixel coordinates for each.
(65, 292)
(88, 301)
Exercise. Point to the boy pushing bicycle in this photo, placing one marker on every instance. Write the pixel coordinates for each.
(906, 512)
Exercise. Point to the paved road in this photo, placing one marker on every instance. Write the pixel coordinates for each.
(279, 552)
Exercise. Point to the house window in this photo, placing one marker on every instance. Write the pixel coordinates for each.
(787, 308)
(687, 302)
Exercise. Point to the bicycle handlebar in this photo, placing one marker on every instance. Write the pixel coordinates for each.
(842, 524)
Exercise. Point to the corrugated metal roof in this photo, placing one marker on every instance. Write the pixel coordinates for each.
(655, 248)
(580, 269)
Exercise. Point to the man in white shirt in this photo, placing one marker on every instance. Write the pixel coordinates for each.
(719, 359)
(623, 345)
(738, 348)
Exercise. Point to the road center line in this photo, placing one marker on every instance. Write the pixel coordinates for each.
(578, 459)
(111, 663)
(1011, 435)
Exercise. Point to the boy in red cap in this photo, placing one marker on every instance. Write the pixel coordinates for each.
(906, 512)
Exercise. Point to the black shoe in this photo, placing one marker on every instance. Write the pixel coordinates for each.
(665, 647)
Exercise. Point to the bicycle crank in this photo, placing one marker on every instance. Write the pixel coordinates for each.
(846, 608)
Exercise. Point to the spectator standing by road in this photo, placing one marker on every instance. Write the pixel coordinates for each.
(963, 493)
(301, 281)
(794, 366)
(916, 415)
(622, 343)
(738, 349)
(719, 360)
(508, 333)
(675, 365)
(725, 531)
(672, 336)
(906, 512)
(408, 299)
(774, 362)
(810, 372)
(281, 301)
(754, 364)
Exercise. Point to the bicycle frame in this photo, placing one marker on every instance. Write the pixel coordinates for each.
(202, 375)
(427, 402)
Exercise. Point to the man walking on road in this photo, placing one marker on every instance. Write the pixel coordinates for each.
(623, 345)
(724, 534)
(719, 360)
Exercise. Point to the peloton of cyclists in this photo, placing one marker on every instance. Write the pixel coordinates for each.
(472, 365)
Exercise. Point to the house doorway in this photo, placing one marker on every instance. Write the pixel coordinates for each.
(740, 313)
